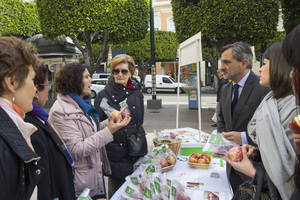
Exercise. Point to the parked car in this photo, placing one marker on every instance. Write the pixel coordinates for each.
(100, 75)
(163, 83)
(98, 85)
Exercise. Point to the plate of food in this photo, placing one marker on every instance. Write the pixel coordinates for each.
(168, 163)
(200, 161)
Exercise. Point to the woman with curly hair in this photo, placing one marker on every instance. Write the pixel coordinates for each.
(77, 122)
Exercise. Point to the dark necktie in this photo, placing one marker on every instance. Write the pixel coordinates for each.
(235, 96)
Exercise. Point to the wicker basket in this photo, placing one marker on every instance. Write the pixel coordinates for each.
(198, 165)
(173, 145)
(166, 169)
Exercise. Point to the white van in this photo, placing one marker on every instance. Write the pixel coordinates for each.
(163, 83)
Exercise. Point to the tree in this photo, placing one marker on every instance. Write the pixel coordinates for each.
(112, 21)
(166, 46)
(222, 21)
(291, 17)
(18, 18)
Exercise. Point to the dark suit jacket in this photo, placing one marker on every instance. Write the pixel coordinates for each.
(57, 180)
(251, 96)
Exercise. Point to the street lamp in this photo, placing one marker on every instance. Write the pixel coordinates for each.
(153, 103)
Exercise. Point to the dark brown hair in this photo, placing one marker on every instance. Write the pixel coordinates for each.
(123, 58)
(280, 81)
(291, 51)
(41, 75)
(16, 56)
(69, 79)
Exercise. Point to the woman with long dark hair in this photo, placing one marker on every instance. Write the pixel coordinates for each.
(291, 51)
(269, 130)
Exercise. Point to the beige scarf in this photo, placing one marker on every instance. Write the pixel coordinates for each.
(269, 129)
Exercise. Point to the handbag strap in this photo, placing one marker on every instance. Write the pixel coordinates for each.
(259, 181)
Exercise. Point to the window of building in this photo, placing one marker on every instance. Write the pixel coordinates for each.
(170, 24)
(156, 22)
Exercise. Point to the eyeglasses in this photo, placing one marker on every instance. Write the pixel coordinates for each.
(117, 71)
(48, 85)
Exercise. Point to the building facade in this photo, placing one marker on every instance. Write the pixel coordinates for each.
(163, 21)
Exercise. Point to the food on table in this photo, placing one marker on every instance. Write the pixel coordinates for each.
(235, 154)
(164, 163)
(295, 124)
(218, 155)
(181, 196)
(168, 161)
(142, 185)
(172, 135)
(171, 159)
(200, 159)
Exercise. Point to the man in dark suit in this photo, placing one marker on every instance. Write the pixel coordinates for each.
(238, 99)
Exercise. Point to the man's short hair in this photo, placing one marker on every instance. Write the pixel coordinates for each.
(240, 52)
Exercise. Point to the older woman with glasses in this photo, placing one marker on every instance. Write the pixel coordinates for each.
(57, 181)
(129, 142)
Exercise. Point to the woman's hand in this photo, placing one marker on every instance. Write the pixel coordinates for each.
(115, 124)
(245, 166)
(296, 137)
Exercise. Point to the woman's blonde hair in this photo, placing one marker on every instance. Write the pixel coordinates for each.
(123, 58)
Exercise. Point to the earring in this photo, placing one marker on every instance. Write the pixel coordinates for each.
(13, 99)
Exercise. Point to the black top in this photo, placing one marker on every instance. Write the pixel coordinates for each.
(57, 181)
(20, 170)
(117, 151)
(296, 194)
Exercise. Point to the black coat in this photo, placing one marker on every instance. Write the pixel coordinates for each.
(117, 151)
(296, 194)
(57, 181)
(19, 165)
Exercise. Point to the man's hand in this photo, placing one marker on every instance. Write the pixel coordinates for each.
(233, 136)
(245, 166)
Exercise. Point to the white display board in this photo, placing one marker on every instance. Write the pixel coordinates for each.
(190, 51)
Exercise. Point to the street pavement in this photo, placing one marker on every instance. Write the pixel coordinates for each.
(156, 120)
(165, 118)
